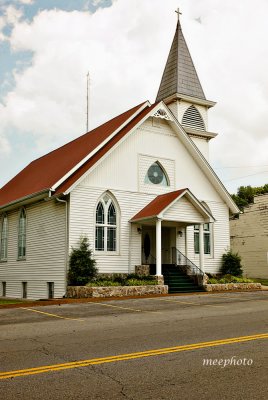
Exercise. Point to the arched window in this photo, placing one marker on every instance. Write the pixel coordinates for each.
(156, 175)
(192, 118)
(106, 231)
(22, 235)
(4, 234)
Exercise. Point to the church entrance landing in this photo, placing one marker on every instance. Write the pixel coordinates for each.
(162, 224)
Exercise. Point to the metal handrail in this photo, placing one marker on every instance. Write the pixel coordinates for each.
(149, 260)
(180, 259)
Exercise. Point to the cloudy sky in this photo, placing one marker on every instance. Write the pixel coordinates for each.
(47, 47)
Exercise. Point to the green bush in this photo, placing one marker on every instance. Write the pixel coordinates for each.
(82, 267)
(123, 280)
(231, 264)
(230, 279)
(103, 283)
(140, 282)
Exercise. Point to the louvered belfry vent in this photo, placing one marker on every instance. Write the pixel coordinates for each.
(192, 119)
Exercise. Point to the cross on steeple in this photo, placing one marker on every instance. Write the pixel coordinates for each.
(178, 12)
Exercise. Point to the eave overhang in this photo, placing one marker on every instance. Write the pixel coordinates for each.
(190, 99)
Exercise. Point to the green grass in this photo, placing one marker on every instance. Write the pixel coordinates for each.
(9, 301)
(264, 282)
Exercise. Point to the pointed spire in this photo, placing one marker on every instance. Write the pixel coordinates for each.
(179, 74)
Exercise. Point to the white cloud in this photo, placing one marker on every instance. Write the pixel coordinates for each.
(4, 146)
(125, 48)
(97, 2)
(26, 1)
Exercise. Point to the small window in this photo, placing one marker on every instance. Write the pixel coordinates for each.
(156, 175)
(24, 290)
(22, 235)
(50, 287)
(207, 238)
(106, 228)
(4, 236)
(4, 289)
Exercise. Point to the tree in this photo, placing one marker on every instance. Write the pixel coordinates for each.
(82, 267)
(231, 264)
(245, 195)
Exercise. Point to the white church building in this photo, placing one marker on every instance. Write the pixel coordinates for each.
(140, 187)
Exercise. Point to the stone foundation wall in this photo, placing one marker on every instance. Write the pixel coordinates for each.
(222, 287)
(142, 270)
(78, 292)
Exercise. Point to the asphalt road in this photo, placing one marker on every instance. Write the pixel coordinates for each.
(176, 347)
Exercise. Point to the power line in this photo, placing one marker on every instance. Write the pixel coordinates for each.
(245, 166)
(245, 176)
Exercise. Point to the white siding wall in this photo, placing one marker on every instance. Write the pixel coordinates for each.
(178, 108)
(120, 168)
(45, 252)
(122, 172)
(144, 163)
(82, 222)
(220, 238)
(183, 211)
(203, 146)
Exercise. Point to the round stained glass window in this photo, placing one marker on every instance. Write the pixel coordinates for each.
(155, 174)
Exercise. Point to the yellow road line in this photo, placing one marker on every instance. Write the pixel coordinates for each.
(129, 356)
(50, 315)
(123, 308)
(191, 303)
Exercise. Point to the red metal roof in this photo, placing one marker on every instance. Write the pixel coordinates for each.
(46, 171)
(159, 204)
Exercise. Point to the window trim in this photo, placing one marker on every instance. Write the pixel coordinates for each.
(23, 257)
(205, 233)
(3, 219)
(106, 205)
(147, 180)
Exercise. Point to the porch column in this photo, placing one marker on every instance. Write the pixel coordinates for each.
(158, 248)
(201, 247)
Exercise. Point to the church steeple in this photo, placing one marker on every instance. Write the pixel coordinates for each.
(182, 92)
(180, 76)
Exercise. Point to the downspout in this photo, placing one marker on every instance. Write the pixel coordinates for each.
(66, 239)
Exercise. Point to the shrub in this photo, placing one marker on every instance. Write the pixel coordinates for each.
(140, 282)
(81, 265)
(230, 279)
(119, 280)
(231, 264)
(103, 283)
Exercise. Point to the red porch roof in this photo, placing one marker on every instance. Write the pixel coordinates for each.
(158, 205)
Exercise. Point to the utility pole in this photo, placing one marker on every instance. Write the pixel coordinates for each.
(88, 84)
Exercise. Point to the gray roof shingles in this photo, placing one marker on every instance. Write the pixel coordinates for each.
(179, 75)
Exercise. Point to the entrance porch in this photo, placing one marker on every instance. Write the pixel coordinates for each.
(163, 227)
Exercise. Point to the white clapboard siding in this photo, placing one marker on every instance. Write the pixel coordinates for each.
(83, 202)
(124, 168)
(82, 222)
(45, 252)
(220, 238)
(183, 211)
